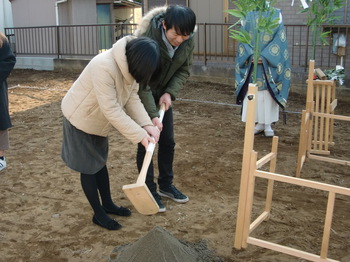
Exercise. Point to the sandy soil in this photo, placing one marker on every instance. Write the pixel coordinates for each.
(46, 217)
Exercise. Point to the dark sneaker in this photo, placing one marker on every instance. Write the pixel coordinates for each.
(173, 193)
(158, 199)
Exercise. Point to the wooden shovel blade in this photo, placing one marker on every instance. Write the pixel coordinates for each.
(141, 198)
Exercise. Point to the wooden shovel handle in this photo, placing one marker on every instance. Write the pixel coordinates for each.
(149, 153)
(161, 112)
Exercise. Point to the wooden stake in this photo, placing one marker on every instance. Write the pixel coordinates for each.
(248, 148)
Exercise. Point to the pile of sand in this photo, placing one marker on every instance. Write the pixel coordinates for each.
(159, 245)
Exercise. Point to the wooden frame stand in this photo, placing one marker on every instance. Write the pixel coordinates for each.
(317, 124)
(250, 170)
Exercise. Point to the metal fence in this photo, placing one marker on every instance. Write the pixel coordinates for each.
(67, 41)
(213, 44)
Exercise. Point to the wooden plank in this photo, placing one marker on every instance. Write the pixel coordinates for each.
(269, 193)
(325, 82)
(334, 104)
(330, 160)
(288, 250)
(327, 225)
(247, 149)
(303, 182)
(270, 183)
(327, 120)
(320, 74)
(309, 94)
(250, 197)
(322, 120)
(263, 216)
(265, 159)
(320, 152)
(274, 148)
(302, 141)
(337, 117)
(315, 136)
(329, 143)
(310, 127)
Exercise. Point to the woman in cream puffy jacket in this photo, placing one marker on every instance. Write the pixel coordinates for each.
(105, 97)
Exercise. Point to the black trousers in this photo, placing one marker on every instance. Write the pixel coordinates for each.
(166, 149)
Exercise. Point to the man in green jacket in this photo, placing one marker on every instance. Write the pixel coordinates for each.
(172, 27)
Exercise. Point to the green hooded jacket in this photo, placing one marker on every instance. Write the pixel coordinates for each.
(173, 73)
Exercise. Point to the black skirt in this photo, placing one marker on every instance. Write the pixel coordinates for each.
(83, 152)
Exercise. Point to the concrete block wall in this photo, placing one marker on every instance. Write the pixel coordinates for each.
(37, 63)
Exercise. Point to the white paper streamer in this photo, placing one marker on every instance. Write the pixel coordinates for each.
(304, 4)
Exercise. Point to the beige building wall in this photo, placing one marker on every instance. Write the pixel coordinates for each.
(44, 12)
(83, 12)
(37, 13)
(129, 15)
(33, 12)
(209, 11)
(137, 15)
(5, 15)
(76, 12)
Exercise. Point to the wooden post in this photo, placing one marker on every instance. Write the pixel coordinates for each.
(310, 89)
(250, 197)
(327, 126)
(270, 182)
(302, 141)
(247, 150)
(309, 127)
(310, 104)
(327, 225)
(315, 120)
(333, 106)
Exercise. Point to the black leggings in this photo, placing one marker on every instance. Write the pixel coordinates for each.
(96, 186)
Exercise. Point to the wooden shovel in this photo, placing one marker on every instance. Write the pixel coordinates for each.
(138, 193)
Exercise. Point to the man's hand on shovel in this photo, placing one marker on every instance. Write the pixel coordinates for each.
(154, 131)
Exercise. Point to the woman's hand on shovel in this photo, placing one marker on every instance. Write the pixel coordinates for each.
(153, 131)
(153, 136)
(146, 141)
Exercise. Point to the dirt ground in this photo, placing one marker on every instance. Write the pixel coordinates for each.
(46, 217)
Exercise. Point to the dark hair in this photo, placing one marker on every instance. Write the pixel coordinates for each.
(143, 58)
(181, 18)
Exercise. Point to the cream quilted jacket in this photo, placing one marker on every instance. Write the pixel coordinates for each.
(105, 96)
